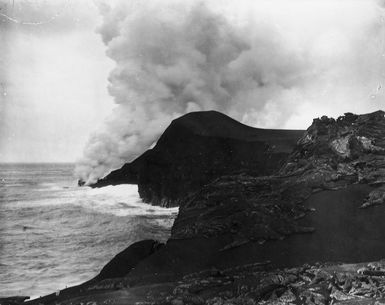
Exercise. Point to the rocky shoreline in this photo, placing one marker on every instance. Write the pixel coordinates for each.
(257, 283)
(291, 233)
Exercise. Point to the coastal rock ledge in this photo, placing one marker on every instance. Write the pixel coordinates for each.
(312, 231)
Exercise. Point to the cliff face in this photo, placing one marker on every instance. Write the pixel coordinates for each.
(199, 147)
(248, 239)
(331, 155)
(325, 204)
(251, 205)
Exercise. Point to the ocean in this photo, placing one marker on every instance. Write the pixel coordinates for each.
(54, 234)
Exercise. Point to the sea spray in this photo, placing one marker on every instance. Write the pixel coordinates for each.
(55, 234)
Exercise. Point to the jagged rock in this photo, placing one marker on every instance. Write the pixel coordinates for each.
(338, 141)
(376, 197)
(287, 297)
(339, 295)
(341, 146)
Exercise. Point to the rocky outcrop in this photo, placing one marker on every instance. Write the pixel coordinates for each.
(306, 284)
(335, 153)
(198, 148)
(331, 155)
(310, 284)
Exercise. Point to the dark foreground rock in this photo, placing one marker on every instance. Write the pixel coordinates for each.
(199, 147)
(246, 239)
(16, 300)
(126, 260)
(312, 284)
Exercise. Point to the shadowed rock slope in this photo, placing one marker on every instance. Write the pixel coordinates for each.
(244, 239)
(199, 147)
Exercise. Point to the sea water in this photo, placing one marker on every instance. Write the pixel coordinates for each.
(55, 234)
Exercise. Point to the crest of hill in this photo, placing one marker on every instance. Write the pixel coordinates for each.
(216, 124)
(198, 148)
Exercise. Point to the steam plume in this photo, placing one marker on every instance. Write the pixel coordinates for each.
(252, 64)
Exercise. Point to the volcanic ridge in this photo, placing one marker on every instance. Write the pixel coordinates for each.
(265, 216)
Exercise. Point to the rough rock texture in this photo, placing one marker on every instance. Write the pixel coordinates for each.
(240, 238)
(335, 153)
(315, 284)
(251, 208)
(199, 147)
(331, 155)
(307, 284)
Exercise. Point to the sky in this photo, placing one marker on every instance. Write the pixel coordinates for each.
(53, 79)
(97, 81)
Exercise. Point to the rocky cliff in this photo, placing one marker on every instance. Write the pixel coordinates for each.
(273, 239)
(199, 147)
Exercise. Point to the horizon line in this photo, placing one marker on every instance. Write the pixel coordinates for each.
(37, 162)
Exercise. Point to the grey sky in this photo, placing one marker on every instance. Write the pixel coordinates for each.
(310, 58)
(53, 79)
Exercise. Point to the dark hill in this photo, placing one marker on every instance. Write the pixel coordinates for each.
(216, 124)
(199, 147)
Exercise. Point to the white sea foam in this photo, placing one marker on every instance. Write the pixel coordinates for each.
(121, 200)
(63, 234)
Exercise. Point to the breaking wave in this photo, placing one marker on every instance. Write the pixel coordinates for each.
(55, 234)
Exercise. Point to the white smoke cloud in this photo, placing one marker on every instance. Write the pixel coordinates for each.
(268, 64)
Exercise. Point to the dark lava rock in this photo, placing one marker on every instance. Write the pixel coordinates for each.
(337, 167)
(335, 153)
(332, 155)
(235, 238)
(308, 211)
(310, 284)
(199, 147)
(16, 300)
